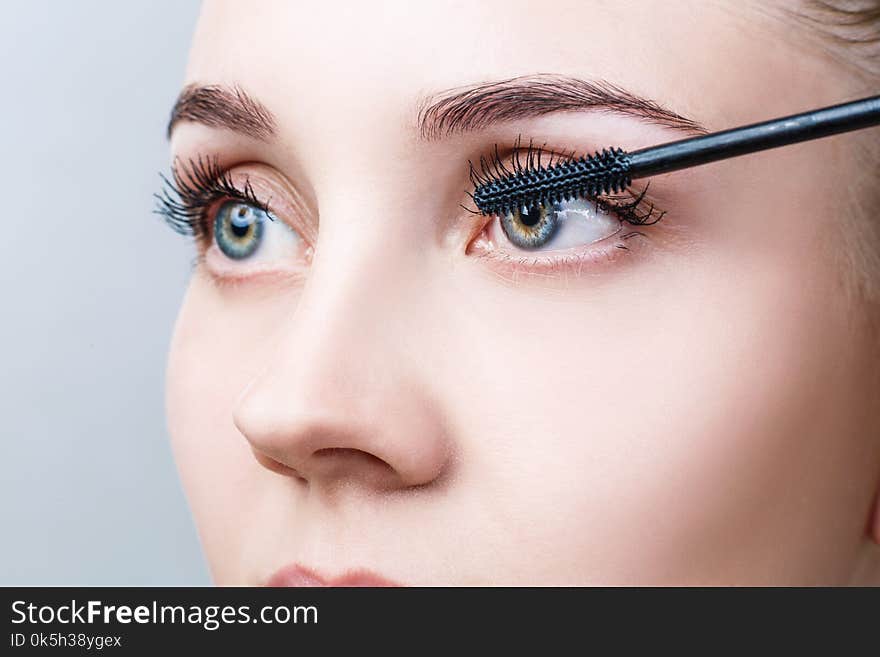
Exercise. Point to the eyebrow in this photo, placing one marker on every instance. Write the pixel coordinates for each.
(475, 107)
(223, 107)
(455, 111)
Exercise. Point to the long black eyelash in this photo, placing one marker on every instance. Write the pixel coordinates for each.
(631, 206)
(195, 185)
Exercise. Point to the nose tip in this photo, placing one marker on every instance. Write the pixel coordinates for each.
(387, 449)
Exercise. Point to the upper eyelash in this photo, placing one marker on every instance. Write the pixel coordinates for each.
(192, 188)
(637, 210)
(195, 185)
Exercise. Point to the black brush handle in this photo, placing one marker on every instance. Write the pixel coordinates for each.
(753, 138)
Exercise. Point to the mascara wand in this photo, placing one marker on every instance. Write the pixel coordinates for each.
(613, 170)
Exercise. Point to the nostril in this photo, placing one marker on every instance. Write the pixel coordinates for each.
(352, 456)
(276, 466)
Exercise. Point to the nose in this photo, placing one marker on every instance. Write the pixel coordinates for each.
(342, 398)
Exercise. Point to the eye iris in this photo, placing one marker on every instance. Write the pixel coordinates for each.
(530, 228)
(238, 229)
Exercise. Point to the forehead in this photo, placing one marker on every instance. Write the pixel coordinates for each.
(324, 63)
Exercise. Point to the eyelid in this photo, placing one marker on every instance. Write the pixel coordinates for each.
(519, 160)
(562, 267)
(224, 270)
(283, 200)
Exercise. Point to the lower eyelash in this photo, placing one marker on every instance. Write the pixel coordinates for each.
(193, 187)
(630, 206)
(512, 266)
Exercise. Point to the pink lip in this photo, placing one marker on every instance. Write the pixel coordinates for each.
(295, 575)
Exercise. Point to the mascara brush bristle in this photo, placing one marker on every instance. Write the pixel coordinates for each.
(602, 173)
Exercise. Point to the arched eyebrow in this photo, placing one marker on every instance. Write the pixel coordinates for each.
(455, 111)
(219, 106)
(476, 107)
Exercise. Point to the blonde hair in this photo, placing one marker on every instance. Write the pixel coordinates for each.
(851, 29)
(850, 34)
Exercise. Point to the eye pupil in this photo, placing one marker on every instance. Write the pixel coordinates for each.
(240, 230)
(530, 216)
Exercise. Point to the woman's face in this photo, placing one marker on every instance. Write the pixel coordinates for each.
(381, 379)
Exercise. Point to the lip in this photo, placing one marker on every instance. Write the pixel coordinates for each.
(299, 576)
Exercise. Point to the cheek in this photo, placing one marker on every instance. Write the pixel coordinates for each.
(695, 426)
(218, 344)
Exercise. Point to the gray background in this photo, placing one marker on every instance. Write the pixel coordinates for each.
(91, 284)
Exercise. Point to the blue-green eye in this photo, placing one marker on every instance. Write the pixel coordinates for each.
(239, 228)
(566, 224)
(531, 228)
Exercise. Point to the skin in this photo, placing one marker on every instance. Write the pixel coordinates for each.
(392, 395)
